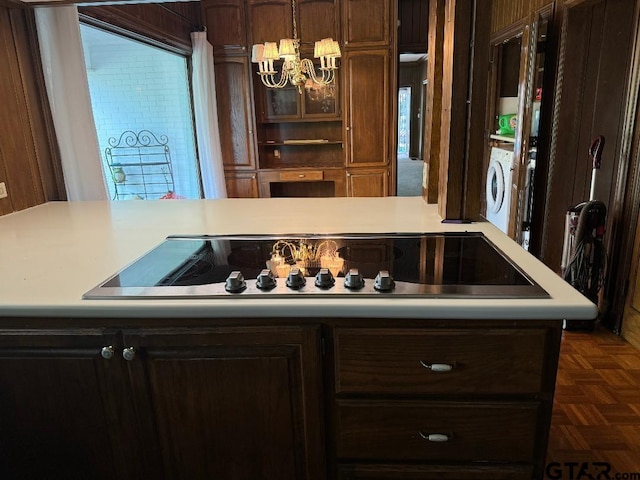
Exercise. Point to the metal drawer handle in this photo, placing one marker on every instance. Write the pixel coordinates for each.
(437, 367)
(436, 437)
(301, 175)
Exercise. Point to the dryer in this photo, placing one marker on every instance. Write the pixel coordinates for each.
(498, 189)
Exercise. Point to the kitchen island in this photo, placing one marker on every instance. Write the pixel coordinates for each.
(277, 388)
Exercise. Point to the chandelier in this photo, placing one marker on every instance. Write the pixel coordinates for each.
(296, 71)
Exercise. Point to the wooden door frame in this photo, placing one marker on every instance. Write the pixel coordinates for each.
(520, 29)
(627, 189)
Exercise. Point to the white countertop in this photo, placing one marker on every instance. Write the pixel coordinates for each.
(51, 254)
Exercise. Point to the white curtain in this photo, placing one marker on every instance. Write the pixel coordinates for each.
(68, 91)
(206, 117)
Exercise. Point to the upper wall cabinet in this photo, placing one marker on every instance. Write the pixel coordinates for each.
(318, 19)
(269, 20)
(366, 23)
(413, 16)
(225, 20)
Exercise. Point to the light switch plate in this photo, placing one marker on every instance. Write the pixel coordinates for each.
(3, 190)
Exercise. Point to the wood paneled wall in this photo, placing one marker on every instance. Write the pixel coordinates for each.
(168, 23)
(29, 161)
(508, 12)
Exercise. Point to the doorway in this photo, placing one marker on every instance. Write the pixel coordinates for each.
(408, 168)
(413, 26)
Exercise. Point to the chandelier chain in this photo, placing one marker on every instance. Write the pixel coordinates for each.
(293, 12)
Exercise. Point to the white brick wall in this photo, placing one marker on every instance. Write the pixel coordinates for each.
(137, 87)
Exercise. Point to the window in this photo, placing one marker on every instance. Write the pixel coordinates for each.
(137, 87)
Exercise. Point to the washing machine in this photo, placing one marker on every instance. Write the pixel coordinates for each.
(499, 177)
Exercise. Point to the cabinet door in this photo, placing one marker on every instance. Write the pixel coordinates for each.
(225, 22)
(367, 182)
(63, 414)
(318, 19)
(367, 23)
(241, 185)
(270, 20)
(230, 403)
(367, 107)
(235, 113)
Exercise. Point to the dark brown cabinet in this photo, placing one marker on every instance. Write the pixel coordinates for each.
(367, 23)
(235, 113)
(241, 184)
(230, 403)
(239, 403)
(464, 396)
(433, 472)
(62, 412)
(323, 128)
(269, 20)
(318, 19)
(225, 20)
(367, 182)
(368, 107)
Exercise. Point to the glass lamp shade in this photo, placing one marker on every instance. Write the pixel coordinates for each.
(287, 49)
(270, 51)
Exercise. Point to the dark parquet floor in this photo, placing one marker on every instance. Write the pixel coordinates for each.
(596, 414)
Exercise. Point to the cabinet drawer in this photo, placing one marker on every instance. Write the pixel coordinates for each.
(399, 431)
(434, 472)
(407, 361)
(306, 176)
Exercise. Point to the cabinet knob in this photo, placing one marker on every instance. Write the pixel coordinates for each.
(348, 128)
(301, 175)
(436, 437)
(107, 352)
(129, 353)
(437, 367)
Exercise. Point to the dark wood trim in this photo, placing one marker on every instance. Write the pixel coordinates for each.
(544, 129)
(393, 104)
(455, 82)
(433, 118)
(149, 28)
(476, 141)
(13, 4)
(40, 122)
(553, 132)
(512, 31)
(627, 192)
(466, 58)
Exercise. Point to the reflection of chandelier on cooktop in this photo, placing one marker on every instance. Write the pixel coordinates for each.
(296, 71)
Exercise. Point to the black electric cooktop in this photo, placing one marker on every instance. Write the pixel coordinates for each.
(249, 266)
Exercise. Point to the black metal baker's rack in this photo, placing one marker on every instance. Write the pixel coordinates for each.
(140, 165)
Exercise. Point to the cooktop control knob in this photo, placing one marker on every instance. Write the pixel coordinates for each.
(235, 282)
(353, 280)
(295, 279)
(324, 279)
(384, 282)
(266, 280)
